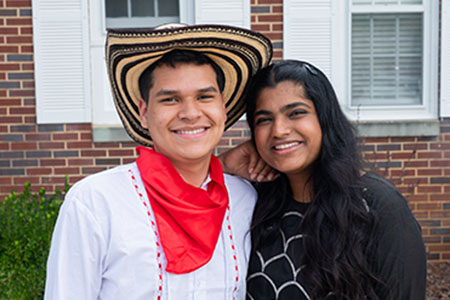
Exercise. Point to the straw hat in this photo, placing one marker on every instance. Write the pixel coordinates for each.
(238, 52)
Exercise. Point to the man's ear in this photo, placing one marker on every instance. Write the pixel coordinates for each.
(143, 113)
(224, 108)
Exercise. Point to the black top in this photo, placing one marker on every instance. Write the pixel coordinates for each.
(275, 269)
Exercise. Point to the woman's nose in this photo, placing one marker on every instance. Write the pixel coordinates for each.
(280, 128)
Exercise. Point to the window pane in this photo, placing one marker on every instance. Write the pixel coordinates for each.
(168, 8)
(142, 8)
(116, 8)
(387, 59)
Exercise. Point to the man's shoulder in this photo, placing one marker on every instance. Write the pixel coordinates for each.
(241, 192)
(105, 182)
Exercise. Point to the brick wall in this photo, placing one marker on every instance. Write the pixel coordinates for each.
(44, 154)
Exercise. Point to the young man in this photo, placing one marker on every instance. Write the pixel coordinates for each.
(171, 225)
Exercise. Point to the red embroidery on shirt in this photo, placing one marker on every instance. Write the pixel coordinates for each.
(233, 248)
(158, 248)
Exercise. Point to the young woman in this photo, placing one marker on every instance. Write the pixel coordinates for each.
(323, 229)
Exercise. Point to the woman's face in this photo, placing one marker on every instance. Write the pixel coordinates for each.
(287, 130)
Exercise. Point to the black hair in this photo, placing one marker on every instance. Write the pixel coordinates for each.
(173, 59)
(336, 227)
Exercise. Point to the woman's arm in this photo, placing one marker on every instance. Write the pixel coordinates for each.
(244, 161)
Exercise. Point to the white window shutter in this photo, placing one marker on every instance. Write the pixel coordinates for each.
(445, 59)
(231, 12)
(307, 32)
(61, 53)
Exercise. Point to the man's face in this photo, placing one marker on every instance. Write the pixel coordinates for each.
(185, 114)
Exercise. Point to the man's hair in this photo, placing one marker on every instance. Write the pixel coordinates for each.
(173, 59)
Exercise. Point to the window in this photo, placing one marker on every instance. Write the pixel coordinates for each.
(140, 13)
(392, 56)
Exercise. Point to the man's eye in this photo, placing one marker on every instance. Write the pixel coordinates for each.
(168, 100)
(205, 97)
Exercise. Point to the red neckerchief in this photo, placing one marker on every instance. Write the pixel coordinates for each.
(189, 218)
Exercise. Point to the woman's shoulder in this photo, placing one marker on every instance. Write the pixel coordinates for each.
(381, 195)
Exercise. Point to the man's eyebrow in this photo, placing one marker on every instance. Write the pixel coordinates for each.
(208, 89)
(166, 93)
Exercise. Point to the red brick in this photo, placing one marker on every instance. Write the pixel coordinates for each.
(9, 67)
(10, 102)
(78, 145)
(37, 137)
(30, 120)
(428, 206)
(277, 54)
(376, 155)
(376, 140)
(402, 173)
(440, 163)
(417, 164)
(22, 110)
(432, 240)
(4, 146)
(52, 162)
(441, 197)
(439, 248)
(22, 180)
(78, 127)
(86, 136)
(19, 40)
(26, 30)
(92, 170)
(6, 180)
(28, 67)
(128, 160)
(440, 214)
(270, 1)
(22, 93)
(3, 111)
(129, 144)
(74, 179)
(429, 189)
(415, 146)
(53, 180)
(65, 136)
(26, 49)
(277, 9)
(9, 49)
(39, 171)
(67, 171)
(18, 3)
(51, 145)
(429, 172)
(81, 162)
(106, 145)
(446, 189)
(28, 84)
(429, 154)
(3, 77)
(8, 189)
(277, 27)
(261, 27)
(416, 180)
(402, 155)
(270, 18)
(418, 198)
(446, 256)
(252, 19)
(8, 31)
(124, 152)
(93, 153)
(421, 214)
(274, 36)
(23, 146)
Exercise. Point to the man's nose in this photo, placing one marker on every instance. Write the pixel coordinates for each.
(189, 110)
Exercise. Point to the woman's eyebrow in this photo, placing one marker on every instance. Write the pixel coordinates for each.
(292, 105)
(263, 112)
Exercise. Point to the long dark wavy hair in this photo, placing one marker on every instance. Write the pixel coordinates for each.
(337, 224)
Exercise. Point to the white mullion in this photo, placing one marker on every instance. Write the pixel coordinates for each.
(397, 56)
(129, 8)
(355, 9)
(371, 61)
(156, 8)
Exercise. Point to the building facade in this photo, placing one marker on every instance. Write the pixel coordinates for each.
(389, 61)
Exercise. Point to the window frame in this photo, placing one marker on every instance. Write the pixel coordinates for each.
(342, 76)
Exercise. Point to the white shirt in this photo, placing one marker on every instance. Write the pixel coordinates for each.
(106, 246)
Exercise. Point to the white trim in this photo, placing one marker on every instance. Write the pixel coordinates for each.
(386, 8)
(445, 60)
(61, 58)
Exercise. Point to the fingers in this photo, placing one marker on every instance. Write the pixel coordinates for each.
(258, 168)
(263, 172)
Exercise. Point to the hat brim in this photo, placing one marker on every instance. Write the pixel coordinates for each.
(238, 52)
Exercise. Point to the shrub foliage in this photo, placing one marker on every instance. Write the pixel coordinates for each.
(26, 226)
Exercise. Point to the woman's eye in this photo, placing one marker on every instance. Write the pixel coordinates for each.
(297, 113)
(262, 121)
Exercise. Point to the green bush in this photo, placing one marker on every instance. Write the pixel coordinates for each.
(26, 225)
